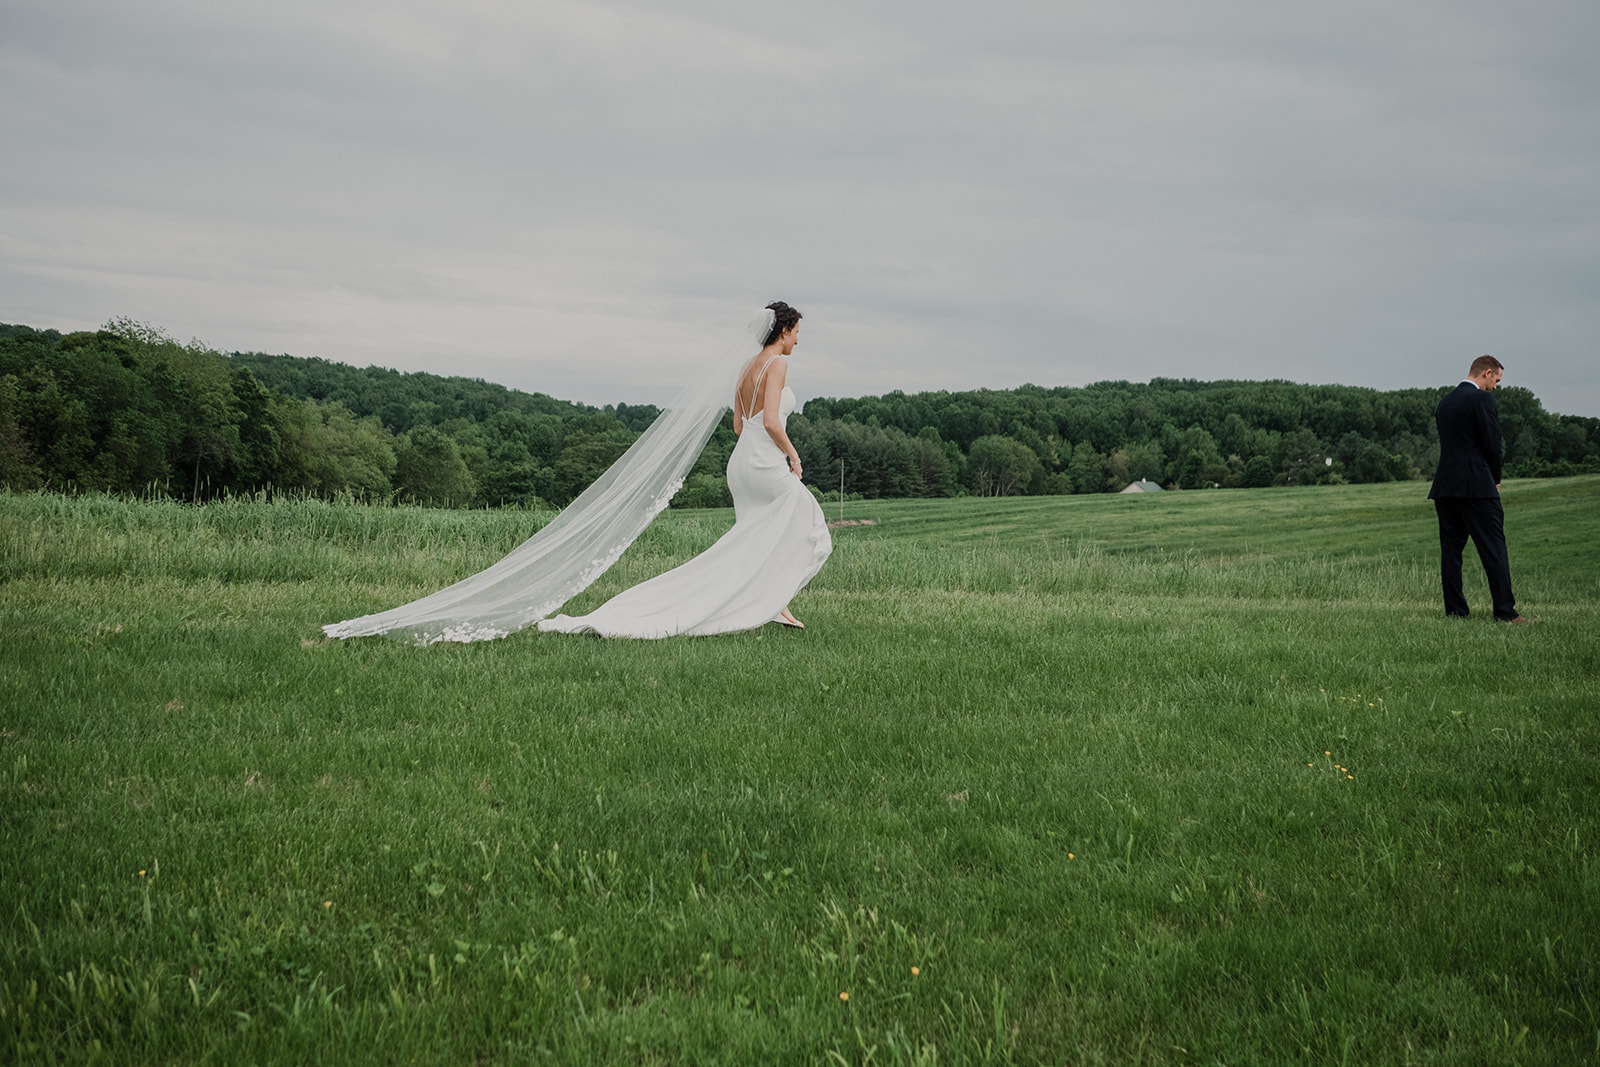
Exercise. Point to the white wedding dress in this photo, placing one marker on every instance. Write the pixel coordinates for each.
(778, 542)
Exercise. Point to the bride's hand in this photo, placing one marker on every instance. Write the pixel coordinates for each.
(794, 465)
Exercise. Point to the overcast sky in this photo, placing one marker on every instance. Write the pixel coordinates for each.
(580, 198)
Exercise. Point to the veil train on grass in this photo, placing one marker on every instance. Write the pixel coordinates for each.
(579, 545)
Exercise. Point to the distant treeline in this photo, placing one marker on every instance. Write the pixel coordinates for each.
(126, 409)
(1180, 433)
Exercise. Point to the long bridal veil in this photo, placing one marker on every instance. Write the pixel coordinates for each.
(580, 544)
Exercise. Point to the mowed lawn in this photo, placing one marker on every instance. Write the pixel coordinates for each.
(1191, 778)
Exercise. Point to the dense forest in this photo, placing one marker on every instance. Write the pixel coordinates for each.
(126, 409)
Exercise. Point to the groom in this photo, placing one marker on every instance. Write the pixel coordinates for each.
(1466, 489)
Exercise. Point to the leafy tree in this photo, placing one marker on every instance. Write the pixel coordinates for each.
(1087, 469)
(326, 450)
(585, 455)
(87, 409)
(1024, 434)
(18, 467)
(636, 417)
(209, 442)
(1198, 463)
(876, 462)
(429, 469)
(259, 436)
(1373, 464)
(1258, 472)
(1524, 427)
(704, 491)
(937, 464)
(1301, 458)
(1119, 469)
(513, 476)
(1001, 466)
(1146, 460)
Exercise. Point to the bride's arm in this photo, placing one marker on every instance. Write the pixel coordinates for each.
(772, 417)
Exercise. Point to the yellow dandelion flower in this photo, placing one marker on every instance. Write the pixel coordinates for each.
(916, 971)
(844, 996)
(327, 903)
(1326, 753)
(141, 874)
(1351, 777)
(1070, 856)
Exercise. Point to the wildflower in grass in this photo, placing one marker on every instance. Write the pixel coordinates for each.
(327, 903)
(1070, 856)
(915, 971)
(844, 996)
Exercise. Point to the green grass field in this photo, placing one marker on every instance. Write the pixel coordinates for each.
(1194, 778)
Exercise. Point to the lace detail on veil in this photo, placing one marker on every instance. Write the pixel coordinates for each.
(591, 574)
(580, 544)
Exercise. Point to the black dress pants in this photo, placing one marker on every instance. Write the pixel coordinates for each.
(1483, 520)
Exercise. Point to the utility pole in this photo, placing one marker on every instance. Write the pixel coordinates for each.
(841, 488)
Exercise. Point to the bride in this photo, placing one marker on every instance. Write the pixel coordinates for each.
(779, 539)
(778, 542)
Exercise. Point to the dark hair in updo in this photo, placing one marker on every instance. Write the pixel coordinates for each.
(783, 317)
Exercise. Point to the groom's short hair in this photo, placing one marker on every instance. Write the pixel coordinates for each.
(1483, 363)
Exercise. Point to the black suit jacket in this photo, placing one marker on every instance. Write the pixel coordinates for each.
(1469, 444)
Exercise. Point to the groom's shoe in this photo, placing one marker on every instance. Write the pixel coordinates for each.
(1520, 620)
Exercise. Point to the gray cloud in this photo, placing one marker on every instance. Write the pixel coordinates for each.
(577, 197)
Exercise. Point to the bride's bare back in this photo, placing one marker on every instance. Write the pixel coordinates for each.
(761, 389)
(768, 370)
